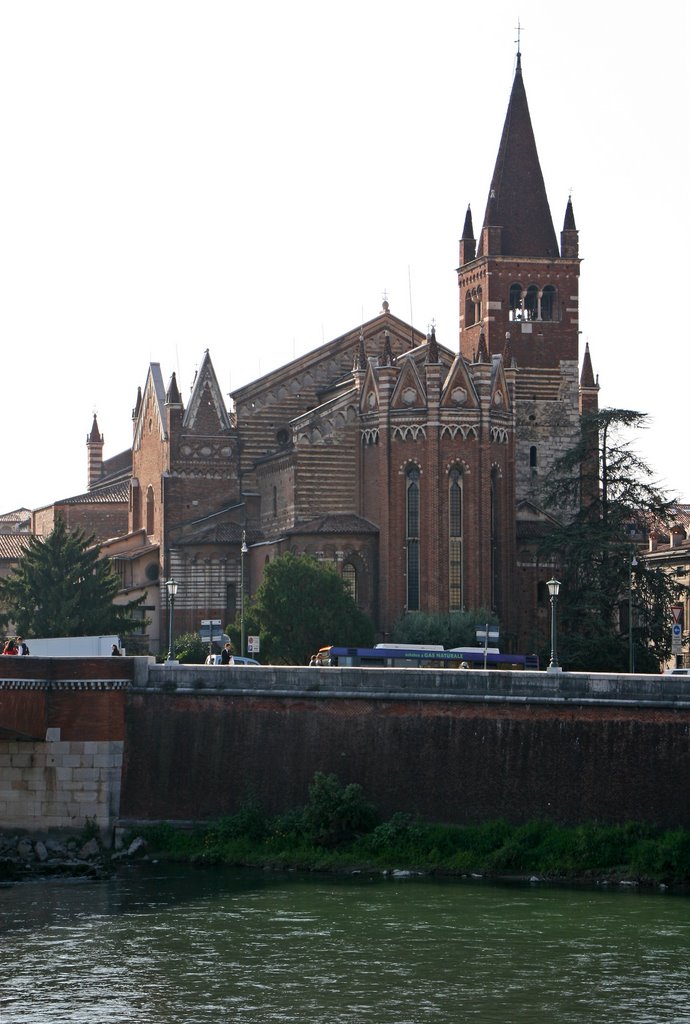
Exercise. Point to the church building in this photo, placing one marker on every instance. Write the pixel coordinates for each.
(411, 463)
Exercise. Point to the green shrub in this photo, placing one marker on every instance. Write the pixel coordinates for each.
(190, 649)
(336, 814)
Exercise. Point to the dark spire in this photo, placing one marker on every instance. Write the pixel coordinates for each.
(387, 358)
(172, 396)
(468, 245)
(517, 197)
(569, 219)
(587, 375)
(482, 351)
(432, 347)
(468, 230)
(137, 404)
(360, 362)
(95, 435)
(569, 240)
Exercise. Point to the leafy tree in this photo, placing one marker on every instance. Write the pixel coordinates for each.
(617, 501)
(300, 606)
(454, 629)
(190, 649)
(62, 587)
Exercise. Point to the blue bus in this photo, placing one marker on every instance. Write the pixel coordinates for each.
(431, 656)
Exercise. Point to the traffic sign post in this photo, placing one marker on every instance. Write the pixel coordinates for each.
(676, 639)
(486, 634)
(253, 644)
(210, 623)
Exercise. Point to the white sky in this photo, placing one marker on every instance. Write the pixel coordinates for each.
(250, 177)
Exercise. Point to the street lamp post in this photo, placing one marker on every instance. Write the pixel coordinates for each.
(171, 586)
(631, 644)
(554, 586)
(243, 551)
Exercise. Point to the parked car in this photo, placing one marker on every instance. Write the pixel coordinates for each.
(215, 659)
(677, 672)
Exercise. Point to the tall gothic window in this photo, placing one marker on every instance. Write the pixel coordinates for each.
(495, 540)
(350, 579)
(412, 538)
(135, 499)
(455, 566)
(149, 510)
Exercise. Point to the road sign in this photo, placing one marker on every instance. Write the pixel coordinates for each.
(675, 631)
(677, 612)
(254, 644)
(482, 634)
(210, 622)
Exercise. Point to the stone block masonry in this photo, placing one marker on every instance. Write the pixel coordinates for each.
(62, 740)
(59, 784)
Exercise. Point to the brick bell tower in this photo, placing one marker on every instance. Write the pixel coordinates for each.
(520, 291)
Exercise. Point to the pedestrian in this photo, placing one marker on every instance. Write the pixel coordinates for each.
(116, 652)
(22, 646)
(10, 646)
(226, 657)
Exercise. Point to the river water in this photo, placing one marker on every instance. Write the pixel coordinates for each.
(163, 944)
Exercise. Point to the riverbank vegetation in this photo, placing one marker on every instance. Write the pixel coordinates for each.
(339, 830)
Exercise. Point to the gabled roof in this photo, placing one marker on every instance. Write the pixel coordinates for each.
(12, 546)
(404, 337)
(15, 520)
(206, 411)
(517, 198)
(154, 385)
(115, 493)
(344, 522)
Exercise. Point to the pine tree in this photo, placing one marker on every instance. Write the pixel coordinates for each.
(62, 587)
(617, 502)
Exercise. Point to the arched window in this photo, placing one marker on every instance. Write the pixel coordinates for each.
(135, 501)
(532, 303)
(149, 510)
(516, 302)
(477, 296)
(455, 566)
(350, 579)
(548, 303)
(494, 525)
(469, 309)
(412, 507)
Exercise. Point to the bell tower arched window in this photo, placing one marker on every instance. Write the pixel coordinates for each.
(531, 305)
(469, 309)
(548, 303)
(516, 302)
(412, 510)
(455, 553)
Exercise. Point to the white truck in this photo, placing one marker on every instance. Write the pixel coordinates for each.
(73, 646)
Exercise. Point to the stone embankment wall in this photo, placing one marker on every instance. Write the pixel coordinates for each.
(458, 747)
(106, 739)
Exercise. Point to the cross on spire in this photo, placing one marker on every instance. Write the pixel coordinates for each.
(518, 29)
